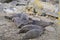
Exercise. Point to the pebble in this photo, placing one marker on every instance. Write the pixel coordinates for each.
(10, 10)
(49, 28)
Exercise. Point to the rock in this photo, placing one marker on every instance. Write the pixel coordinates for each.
(10, 10)
(49, 28)
(1, 7)
(13, 3)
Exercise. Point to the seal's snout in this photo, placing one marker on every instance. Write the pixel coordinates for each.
(8, 17)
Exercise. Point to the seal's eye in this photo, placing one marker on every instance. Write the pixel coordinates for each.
(30, 19)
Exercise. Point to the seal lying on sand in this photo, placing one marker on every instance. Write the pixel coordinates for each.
(26, 28)
(34, 33)
(39, 23)
(21, 21)
(42, 23)
(36, 25)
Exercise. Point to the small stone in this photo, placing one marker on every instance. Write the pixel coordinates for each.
(10, 10)
(49, 28)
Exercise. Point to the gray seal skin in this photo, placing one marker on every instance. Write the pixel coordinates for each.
(34, 33)
(42, 23)
(27, 28)
(19, 22)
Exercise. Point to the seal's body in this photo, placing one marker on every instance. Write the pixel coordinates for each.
(42, 23)
(27, 28)
(34, 33)
(21, 21)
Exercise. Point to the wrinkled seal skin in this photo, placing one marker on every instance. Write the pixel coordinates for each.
(27, 28)
(34, 33)
(21, 21)
(35, 25)
(42, 23)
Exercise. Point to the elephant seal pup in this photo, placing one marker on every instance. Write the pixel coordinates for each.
(42, 23)
(19, 22)
(27, 28)
(34, 33)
